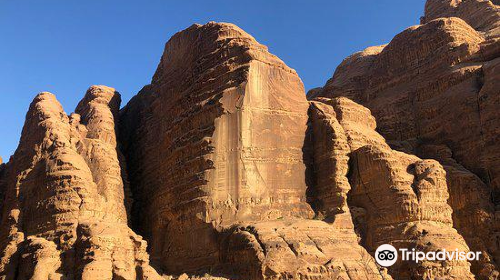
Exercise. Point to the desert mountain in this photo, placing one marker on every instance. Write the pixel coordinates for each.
(223, 168)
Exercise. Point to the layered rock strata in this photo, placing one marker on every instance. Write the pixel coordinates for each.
(482, 15)
(214, 140)
(64, 215)
(395, 198)
(214, 152)
(434, 92)
(235, 175)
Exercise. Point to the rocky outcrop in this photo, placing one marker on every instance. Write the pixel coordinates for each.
(434, 92)
(64, 214)
(395, 198)
(225, 188)
(229, 172)
(473, 213)
(210, 103)
(299, 249)
(312, 93)
(482, 15)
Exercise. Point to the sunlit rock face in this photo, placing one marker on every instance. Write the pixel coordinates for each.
(216, 139)
(215, 156)
(482, 15)
(64, 215)
(229, 172)
(434, 92)
(395, 198)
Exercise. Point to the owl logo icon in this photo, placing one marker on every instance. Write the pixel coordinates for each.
(386, 255)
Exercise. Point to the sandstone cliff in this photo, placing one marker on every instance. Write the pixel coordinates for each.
(482, 15)
(395, 198)
(214, 151)
(434, 92)
(229, 172)
(63, 210)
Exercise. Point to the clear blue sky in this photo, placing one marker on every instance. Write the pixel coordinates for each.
(66, 46)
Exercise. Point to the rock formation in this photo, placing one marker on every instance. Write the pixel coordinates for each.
(227, 171)
(217, 159)
(434, 92)
(396, 198)
(225, 186)
(482, 15)
(64, 214)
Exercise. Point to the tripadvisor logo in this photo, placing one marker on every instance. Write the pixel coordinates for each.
(386, 255)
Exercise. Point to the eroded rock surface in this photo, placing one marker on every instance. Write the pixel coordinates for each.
(395, 198)
(214, 151)
(482, 15)
(434, 92)
(230, 143)
(64, 215)
(230, 173)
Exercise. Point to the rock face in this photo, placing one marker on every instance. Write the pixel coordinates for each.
(225, 186)
(231, 118)
(396, 198)
(64, 215)
(229, 172)
(434, 92)
(482, 15)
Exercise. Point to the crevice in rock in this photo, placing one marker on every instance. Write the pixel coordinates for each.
(290, 246)
(358, 214)
(414, 187)
(310, 173)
